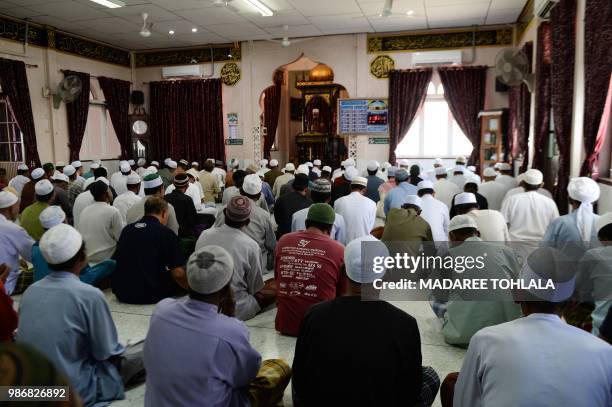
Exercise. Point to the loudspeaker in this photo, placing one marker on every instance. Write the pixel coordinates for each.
(500, 86)
(137, 97)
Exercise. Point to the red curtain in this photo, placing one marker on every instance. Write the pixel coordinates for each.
(520, 115)
(407, 92)
(597, 68)
(187, 119)
(271, 113)
(77, 112)
(14, 83)
(563, 22)
(117, 96)
(464, 90)
(542, 96)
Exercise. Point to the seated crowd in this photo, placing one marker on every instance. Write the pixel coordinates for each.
(214, 248)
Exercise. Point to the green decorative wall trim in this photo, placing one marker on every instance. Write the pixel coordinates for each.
(221, 53)
(440, 40)
(48, 37)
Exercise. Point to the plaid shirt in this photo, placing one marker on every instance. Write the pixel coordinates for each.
(74, 189)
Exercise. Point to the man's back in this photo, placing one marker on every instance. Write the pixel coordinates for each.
(210, 186)
(435, 213)
(307, 271)
(285, 207)
(491, 224)
(494, 192)
(535, 361)
(30, 221)
(185, 212)
(271, 176)
(528, 215)
(137, 211)
(370, 352)
(359, 214)
(374, 182)
(210, 361)
(445, 191)
(395, 198)
(101, 226)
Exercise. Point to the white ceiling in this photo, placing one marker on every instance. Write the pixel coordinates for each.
(305, 18)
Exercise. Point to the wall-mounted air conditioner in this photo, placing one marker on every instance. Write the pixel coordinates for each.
(429, 58)
(181, 71)
(542, 7)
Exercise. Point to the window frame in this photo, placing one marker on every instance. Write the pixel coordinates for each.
(10, 122)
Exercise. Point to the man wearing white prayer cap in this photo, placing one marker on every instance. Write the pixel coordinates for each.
(130, 197)
(152, 185)
(350, 326)
(69, 322)
(491, 223)
(316, 169)
(210, 183)
(18, 181)
(283, 179)
(521, 187)
(270, 176)
(493, 191)
(29, 220)
(445, 190)
(406, 225)
(374, 181)
(395, 197)
(529, 213)
(547, 356)
(358, 211)
(142, 166)
(28, 194)
(341, 186)
(458, 178)
(505, 176)
(14, 240)
(574, 232)
(434, 212)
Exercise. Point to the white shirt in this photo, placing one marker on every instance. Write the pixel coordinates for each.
(458, 180)
(519, 189)
(507, 180)
(279, 182)
(494, 192)
(18, 182)
(445, 191)
(491, 225)
(100, 226)
(338, 232)
(436, 213)
(140, 171)
(220, 174)
(528, 215)
(124, 202)
(119, 182)
(359, 213)
(82, 201)
(193, 192)
(14, 242)
(535, 361)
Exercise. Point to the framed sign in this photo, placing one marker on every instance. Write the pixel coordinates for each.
(363, 116)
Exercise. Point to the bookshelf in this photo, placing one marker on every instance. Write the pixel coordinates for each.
(493, 130)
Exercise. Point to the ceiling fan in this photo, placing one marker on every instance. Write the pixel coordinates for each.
(387, 12)
(145, 31)
(225, 3)
(285, 41)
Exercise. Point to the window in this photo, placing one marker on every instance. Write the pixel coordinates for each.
(434, 132)
(11, 139)
(100, 140)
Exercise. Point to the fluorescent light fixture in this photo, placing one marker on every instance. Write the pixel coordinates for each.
(410, 12)
(262, 8)
(171, 32)
(110, 3)
(194, 30)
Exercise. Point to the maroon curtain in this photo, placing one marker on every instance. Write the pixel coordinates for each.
(597, 68)
(563, 22)
(117, 96)
(542, 96)
(14, 83)
(520, 115)
(77, 112)
(407, 92)
(464, 90)
(187, 119)
(271, 113)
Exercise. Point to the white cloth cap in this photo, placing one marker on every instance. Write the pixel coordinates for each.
(317, 162)
(602, 221)
(61, 177)
(289, 167)
(424, 185)
(252, 184)
(76, 164)
(440, 171)
(69, 170)
(167, 160)
(489, 172)
(372, 165)
(496, 166)
(22, 167)
(461, 159)
(172, 164)
(60, 244)
(586, 191)
(363, 181)
(471, 168)
(438, 161)
(465, 198)
(155, 163)
(60, 164)
(141, 162)
(504, 167)
(533, 177)
(133, 179)
(309, 164)
(209, 269)
(150, 170)
(195, 163)
(131, 162)
(103, 179)
(194, 173)
(350, 173)
(327, 168)
(461, 222)
(37, 173)
(43, 187)
(302, 169)
(404, 163)
(263, 162)
(273, 162)
(235, 163)
(385, 165)
(359, 263)
(349, 163)
(51, 216)
(154, 183)
(7, 199)
(459, 168)
(412, 200)
(94, 166)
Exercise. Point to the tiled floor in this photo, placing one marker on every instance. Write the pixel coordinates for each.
(132, 322)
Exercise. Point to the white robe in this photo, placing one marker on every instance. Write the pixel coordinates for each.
(359, 213)
(82, 201)
(507, 180)
(494, 192)
(100, 226)
(513, 191)
(124, 202)
(535, 361)
(445, 191)
(119, 182)
(436, 213)
(491, 225)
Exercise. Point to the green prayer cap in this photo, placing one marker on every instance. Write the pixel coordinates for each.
(321, 213)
